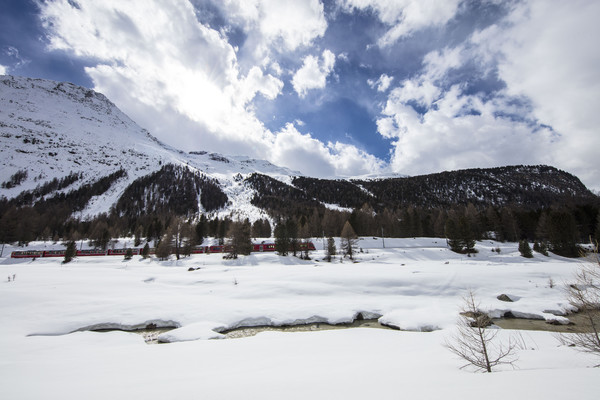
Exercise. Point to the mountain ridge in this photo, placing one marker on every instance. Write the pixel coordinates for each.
(51, 130)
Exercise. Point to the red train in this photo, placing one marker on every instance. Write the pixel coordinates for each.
(262, 247)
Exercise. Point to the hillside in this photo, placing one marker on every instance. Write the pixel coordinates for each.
(51, 130)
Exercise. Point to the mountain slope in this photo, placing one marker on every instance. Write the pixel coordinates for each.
(51, 130)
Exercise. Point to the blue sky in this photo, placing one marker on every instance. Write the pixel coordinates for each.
(334, 88)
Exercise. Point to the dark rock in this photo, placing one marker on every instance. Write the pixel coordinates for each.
(504, 297)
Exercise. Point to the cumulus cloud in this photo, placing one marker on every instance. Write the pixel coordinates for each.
(313, 73)
(406, 16)
(183, 81)
(382, 84)
(304, 153)
(546, 54)
(545, 112)
(3, 70)
(461, 131)
(276, 25)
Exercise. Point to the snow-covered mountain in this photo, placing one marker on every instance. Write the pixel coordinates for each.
(61, 138)
(51, 130)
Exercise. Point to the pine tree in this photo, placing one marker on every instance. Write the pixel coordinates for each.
(292, 232)
(453, 235)
(129, 254)
(562, 233)
(239, 239)
(201, 230)
(541, 248)
(467, 238)
(70, 252)
(524, 249)
(282, 240)
(146, 250)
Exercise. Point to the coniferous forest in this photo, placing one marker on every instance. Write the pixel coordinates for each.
(539, 204)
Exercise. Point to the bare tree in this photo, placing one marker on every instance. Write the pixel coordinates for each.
(349, 240)
(584, 295)
(476, 344)
(331, 250)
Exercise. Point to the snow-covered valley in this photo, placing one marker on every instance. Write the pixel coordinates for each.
(414, 284)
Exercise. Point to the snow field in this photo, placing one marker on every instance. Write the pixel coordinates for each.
(415, 284)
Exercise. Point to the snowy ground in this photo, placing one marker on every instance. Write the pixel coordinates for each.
(415, 284)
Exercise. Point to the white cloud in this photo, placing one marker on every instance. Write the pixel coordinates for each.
(304, 153)
(276, 68)
(382, 84)
(183, 81)
(552, 77)
(313, 73)
(460, 132)
(3, 70)
(548, 55)
(406, 16)
(276, 25)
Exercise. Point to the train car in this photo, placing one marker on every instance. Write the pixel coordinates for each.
(122, 252)
(216, 249)
(304, 245)
(54, 253)
(90, 252)
(198, 250)
(263, 247)
(27, 254)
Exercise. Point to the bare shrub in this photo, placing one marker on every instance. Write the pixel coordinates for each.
(476, 344)
(584, 295)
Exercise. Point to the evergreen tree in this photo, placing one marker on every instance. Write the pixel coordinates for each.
(146, 250)
(524, 249)
(70, 252)
(201, 230)
(562, 233)
(459, 235)
(239, 239)
(282, 240)
(541, 248)
(467, 238)
(349, 240)
(128, 254)
(453, 235)
(510, 230)
(292, 233)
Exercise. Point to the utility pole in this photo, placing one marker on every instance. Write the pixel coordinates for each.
(382, 237)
